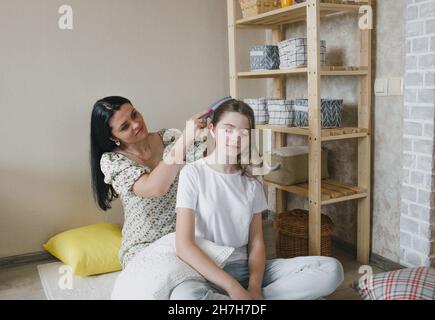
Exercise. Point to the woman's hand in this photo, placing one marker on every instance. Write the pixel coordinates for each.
(199, 122)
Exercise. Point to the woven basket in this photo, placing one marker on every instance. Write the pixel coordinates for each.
(292, 234)
(254, 7)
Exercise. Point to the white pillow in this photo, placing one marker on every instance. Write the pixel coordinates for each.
(156, 270)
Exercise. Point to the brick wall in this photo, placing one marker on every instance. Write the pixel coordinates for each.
(417, 222)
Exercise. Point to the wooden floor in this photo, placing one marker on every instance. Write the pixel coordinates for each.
(23, 282)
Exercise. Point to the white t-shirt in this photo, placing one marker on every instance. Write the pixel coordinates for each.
(224, 204)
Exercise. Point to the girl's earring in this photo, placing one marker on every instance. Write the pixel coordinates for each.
(117, 142)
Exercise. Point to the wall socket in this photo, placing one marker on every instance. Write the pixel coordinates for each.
(388, 87)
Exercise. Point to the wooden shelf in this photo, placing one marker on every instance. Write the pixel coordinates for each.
(332, 191)
(320, 192)
(297, 13)
(329, 134)
(326, 71)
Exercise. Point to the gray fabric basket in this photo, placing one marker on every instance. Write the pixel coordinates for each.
(293, 53)
(264, 57)
(259, 106)
(331, 112)
(281, 112)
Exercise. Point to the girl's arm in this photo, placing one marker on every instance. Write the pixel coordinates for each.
(158, 182)
(256, 256)
(190, 253)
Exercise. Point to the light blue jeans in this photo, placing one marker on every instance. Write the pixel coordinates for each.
(301, 278)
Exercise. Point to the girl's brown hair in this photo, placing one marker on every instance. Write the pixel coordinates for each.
(244, 109)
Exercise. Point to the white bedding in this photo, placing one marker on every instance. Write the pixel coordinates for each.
(156, 270)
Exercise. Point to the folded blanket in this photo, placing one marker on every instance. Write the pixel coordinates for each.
(156, 270)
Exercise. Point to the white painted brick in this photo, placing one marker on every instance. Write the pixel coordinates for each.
(405, 239)
(409, 193)
(415, 29)
(429, 182)
(412, 128)
(429, 130)
(408, 225)
(413, 79)
(413, 259)
(405, 176)
(421, 245)
(407, 144)
(412, 13)
(427, 9)
(420, 45)
(425, 163)
(424, 146)
(430, 26)
(424, 230)
(421, 212)
(429, 79)
(409, 160)
(426, 61)
(426, 96)
(422, 113)
(417, 179)
(411, 62)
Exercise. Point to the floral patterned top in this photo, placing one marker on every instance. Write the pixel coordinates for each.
(145, 219)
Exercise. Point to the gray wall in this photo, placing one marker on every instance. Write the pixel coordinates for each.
(169, 57)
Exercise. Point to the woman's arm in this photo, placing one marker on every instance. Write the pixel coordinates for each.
(189, 252)
(157, 183)
(256, 256)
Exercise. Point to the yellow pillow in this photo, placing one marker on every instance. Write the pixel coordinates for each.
(88, 250)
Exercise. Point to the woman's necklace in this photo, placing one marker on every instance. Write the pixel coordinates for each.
(141, 158)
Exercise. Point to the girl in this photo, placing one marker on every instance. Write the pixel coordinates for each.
(223, 202)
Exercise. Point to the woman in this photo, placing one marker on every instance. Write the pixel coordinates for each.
(222, 202)
(130, 162)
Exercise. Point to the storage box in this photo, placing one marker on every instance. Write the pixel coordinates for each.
(293, 163)
(281, 112)
(254, 7)
(259, 106)
(264, 57)
(292, 234)
(293, 53)
(331, 112)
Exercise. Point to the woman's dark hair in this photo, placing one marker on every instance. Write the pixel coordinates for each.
(244, 109)
(101, 133)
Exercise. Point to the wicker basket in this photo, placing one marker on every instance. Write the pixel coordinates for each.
(292, 234)
(254, 7)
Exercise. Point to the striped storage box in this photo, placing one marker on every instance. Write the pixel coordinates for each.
(259, 106)
(293, 53)
(264, 57)
(331, 112)
(281, 112)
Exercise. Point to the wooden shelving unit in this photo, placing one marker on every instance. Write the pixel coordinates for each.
(319, 192)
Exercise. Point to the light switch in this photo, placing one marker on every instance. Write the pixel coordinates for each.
(381, 87)
(395, 86)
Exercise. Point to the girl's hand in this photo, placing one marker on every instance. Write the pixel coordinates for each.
(255, 293)
(239, 293)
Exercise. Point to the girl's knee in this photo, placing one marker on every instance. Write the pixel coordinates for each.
(334, 269)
